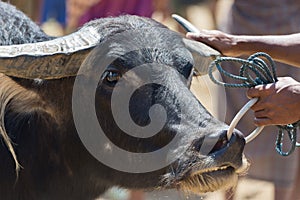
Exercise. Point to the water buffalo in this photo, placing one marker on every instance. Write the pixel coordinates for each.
(42, 153)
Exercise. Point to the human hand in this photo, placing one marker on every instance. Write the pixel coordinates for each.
(223, 42)
(278, 104)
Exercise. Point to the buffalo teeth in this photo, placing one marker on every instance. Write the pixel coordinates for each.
(211, 170)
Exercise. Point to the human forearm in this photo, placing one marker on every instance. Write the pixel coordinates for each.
(283, 48)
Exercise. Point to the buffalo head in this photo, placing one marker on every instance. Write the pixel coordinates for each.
(110, 105)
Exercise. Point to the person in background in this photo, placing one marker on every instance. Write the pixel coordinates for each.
(105, 8)
(54, 9)
(80, 12)
(260, 17)
(53, 17)
(75, 9)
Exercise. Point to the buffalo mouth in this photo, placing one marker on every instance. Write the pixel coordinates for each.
(219, 169)
(212, 179)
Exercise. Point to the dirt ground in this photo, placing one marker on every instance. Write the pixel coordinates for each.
(247, 189)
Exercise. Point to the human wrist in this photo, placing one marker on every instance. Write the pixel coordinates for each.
(246, 45)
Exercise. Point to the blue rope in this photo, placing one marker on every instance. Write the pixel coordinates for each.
(255, 71)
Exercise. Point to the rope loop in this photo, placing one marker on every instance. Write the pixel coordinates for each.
(258, 69)
(254, 64)
(291, 130)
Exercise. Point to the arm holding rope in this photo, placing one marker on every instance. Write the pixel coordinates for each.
(279, 103)
(267, 90)
(282, 48)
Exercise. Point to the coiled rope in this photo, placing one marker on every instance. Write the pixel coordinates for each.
(254, 71)
(264, 75)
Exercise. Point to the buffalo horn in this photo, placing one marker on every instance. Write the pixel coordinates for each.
(57, 58)
(203, 55)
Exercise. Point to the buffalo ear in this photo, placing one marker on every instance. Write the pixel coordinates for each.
(203, 55)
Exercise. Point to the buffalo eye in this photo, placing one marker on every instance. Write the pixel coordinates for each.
(111, 77)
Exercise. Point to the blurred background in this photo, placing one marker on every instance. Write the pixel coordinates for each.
(67, 15)
(61, 17)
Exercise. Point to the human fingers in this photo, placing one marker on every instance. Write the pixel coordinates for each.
(261, 114)
(209, 38)
(258, 91)
(263, 121)
(258, 107)
(200, 36)
(265, 117)
(223, 42)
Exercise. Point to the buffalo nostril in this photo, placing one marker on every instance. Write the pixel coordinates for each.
(219, 145)
(221, 142)
(214, 142)
(211, 143)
